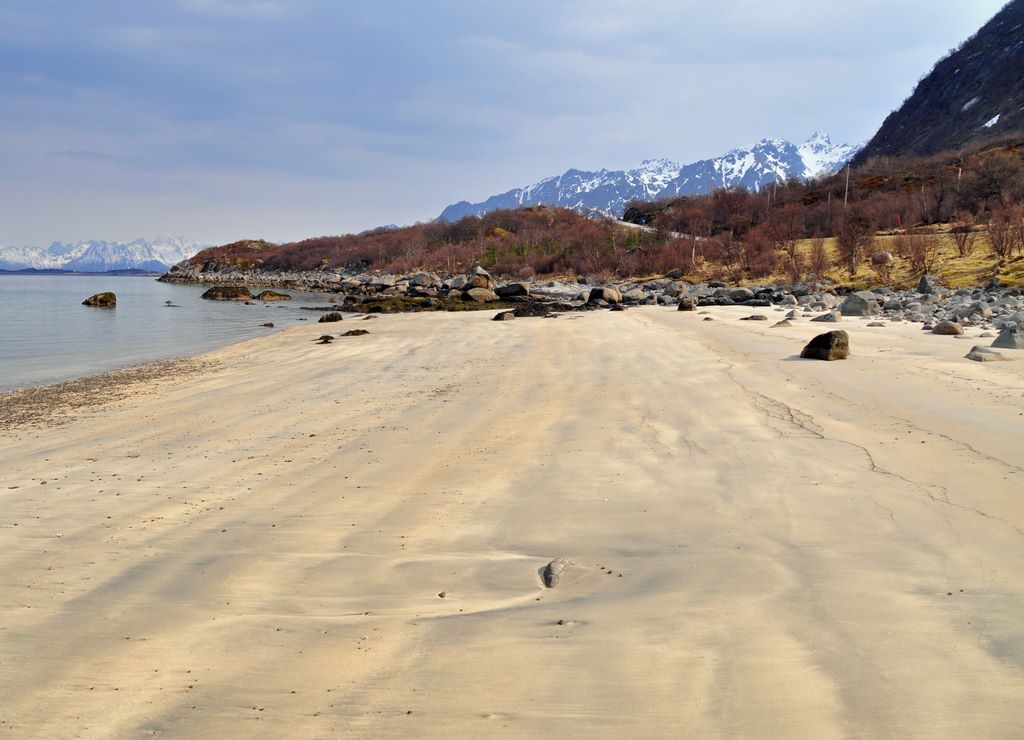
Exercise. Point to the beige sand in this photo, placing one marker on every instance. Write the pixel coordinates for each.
(763, 547)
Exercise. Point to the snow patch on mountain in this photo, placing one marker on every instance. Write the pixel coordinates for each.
(608, 191)
(157, 255)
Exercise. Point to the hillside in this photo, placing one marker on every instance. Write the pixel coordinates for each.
(607, 192)
(914, 208)
(974, 94)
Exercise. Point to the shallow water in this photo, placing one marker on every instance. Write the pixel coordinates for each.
(48, 336)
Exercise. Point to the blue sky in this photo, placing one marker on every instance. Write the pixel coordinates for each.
(224, 119)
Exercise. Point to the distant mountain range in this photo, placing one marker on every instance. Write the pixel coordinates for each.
(975, 93)
(100, 256)
(608, 191)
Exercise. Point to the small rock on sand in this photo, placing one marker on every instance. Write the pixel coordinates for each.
(552, 572)
(984, 354)
(328, 318)
(755, 317)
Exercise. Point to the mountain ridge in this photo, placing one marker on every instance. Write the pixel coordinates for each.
(973, 94)
(608, 191)
(94, 255)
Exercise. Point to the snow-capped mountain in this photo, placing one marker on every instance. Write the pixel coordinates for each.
(100, 256)
(608, 191)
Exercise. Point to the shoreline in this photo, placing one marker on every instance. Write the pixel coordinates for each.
(310, 540)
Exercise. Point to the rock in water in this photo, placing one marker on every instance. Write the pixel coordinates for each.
(984, 354)
(101, 300)
(273, 295)
(948, 329)
(552, 572)
(687, 304)
(222, 293)
(1010, 339)
(832, 345)
(331, 317)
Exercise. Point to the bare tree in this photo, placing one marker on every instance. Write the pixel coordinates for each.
(819, 257)
(1004, 231)
(854, 234)
(921, 252)
(963, 234)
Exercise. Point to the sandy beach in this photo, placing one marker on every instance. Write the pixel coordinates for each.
(287, 539)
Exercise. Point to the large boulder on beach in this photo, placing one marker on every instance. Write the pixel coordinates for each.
(687, 304)
(1010, 338)
(606, 293)
(832, 345)
(273, 295)
(227, 293)
(480, 295)
(513, 290)
(948, 329)
(478, 277)
(101, 300)
(861, 303)
(425, 280)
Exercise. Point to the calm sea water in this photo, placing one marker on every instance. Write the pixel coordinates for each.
(47, 336)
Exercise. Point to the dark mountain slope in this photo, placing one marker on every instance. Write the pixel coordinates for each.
(975, 93)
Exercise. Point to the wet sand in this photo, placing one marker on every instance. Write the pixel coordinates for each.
(255, 544)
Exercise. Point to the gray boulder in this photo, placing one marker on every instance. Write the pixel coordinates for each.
(984, 354)
(827, 318)
(861, 303)
(928, 285)
(1010, 338)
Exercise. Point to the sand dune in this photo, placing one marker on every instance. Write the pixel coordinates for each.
(760, 546)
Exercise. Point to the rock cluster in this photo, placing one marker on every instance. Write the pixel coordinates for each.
(928, 303)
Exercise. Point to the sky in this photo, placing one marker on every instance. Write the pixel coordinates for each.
(283, 119)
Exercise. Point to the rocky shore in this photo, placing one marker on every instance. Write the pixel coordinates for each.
(990, 307)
